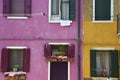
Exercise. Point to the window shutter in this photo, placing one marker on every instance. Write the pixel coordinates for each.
(71, 9)
(28, 8)
(71, 51)
(114, 64)
(5, 60)
(26, 60)
(47, 50)
(6, 7)
(102, 12)
(118, 24)
(93, 71)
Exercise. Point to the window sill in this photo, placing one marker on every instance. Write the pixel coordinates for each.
(109, 21)
(20, 72)
(62, 22)
(12, 17)
(104, 78)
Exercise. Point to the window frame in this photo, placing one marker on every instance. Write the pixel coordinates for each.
(5, 56)
(114, 56)
(56, 18)
(69, 47)
(103, 21)
(50, 68)
(16, 48)
(7, 11)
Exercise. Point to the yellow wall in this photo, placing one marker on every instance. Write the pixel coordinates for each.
(97, 34)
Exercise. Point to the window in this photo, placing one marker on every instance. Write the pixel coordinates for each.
(16, 8)
(61, 10)
(104, 63)
(102, 10)
(15, 60)
(59, 50)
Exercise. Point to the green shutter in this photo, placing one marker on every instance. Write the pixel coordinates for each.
(71, 9)
(93, 63)
(114, 64)
(102, 12)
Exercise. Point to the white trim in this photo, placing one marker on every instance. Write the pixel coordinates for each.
(53, 18)
(49, 70)
(16, 47)
(103, 21)
(12, 17)
(68, 70)
(103, 48)
(19, 72)
(59, 43)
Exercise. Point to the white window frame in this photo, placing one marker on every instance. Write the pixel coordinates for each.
(104, 21)
(54, 18)
(49, 70)
(57, 18)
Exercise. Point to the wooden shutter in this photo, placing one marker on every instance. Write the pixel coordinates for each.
(118, 24)
(47, 50)
(114, 64)
(71, 51)
(28, 8)
(26, 60)
(93, 71)
(6, 7)
(5, 60)
(71, 9)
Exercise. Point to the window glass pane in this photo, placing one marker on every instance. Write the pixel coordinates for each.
(55, 7)
(16, 59)
(17, 7)
(59, 50)
(103, 62)
(102, 9)
(64, 9)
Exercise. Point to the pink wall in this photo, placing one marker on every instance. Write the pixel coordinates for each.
(34, 33)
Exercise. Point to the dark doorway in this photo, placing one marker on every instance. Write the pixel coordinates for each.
(59, 71)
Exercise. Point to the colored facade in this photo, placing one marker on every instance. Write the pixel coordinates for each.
(101, 40)
(38, 40)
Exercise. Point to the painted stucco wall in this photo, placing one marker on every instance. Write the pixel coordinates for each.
(98, 34)
(34, 33)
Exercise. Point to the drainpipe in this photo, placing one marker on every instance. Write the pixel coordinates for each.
(79, 43)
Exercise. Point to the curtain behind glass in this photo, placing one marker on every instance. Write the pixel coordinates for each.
(65, 9)
(55, 7)
(16, 58)
(103, 61)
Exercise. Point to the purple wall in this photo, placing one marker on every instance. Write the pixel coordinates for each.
(34, 33)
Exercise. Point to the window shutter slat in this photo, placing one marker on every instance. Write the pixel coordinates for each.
(5, 60)
(26, 60)
(71, 51)
(6, 7)
(93, 71)
(28, 8)
(47, 50)
(71, 9)
(114, 64)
